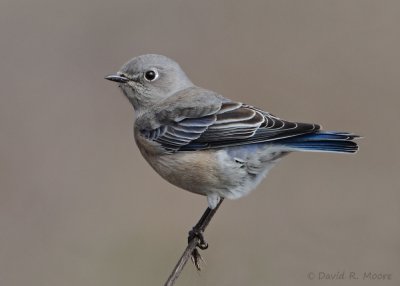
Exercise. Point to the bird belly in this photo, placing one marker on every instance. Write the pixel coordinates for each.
(231, 172)
(196, 172)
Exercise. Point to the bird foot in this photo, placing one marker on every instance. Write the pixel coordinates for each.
(202, 244)
(196, 233)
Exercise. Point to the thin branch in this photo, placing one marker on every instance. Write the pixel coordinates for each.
(191, 250)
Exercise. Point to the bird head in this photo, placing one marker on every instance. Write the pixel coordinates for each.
(148, 79)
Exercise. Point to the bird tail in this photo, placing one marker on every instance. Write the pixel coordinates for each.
(322, 141)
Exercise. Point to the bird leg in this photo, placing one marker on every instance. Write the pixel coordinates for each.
(197, 234)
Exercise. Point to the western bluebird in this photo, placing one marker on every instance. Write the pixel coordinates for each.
(205, 143)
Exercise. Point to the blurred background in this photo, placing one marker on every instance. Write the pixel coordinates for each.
(79, 205)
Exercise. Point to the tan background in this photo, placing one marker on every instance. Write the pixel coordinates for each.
(78, 204)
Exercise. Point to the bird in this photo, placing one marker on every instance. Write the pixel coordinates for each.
(205, 143)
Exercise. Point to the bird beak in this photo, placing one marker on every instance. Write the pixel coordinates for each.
(117, 78)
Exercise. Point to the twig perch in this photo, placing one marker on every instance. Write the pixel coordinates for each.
(195, 240)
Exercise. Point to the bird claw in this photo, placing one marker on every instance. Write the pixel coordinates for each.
(202, 244)
(196, 259)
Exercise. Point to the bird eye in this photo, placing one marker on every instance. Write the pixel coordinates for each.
(151, 75)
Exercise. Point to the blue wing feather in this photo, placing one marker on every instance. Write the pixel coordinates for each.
(237, 124)
(321, 141)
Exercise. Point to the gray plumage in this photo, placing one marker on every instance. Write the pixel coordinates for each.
(207, 144)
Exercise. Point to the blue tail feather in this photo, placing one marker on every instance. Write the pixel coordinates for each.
(323, 141)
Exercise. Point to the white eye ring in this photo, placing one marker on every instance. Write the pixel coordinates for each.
(151, 75)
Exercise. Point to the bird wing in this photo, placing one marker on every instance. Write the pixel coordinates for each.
(201, 119)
